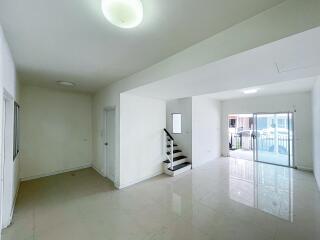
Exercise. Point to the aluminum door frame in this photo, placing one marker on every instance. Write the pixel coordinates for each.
(291, 157)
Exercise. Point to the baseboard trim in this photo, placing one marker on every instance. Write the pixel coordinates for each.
(13, 207)
(103, 175)
(97, 170)
(304, 168)
(14, 203)
(122, 186)
(117, 186)
(55, 173)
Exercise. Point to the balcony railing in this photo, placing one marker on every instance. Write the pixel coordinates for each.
(264, 143)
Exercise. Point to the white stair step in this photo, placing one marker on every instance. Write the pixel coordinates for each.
(169, 145)
(167, 164)
(176, 153)
(177, 158)
(174, 148)
(181, 168)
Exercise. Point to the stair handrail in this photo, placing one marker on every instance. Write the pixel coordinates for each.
(169, 135)
(171, 148)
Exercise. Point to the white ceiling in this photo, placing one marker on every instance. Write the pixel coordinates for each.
(70, 40)
(294, 86)
(287, 65)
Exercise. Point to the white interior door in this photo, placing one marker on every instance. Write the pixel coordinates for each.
(8, 164)
(110, 143)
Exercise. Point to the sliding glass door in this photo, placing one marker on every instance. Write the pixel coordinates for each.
(273, 138)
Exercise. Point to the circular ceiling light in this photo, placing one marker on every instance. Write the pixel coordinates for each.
(123, 13)
(66, 84)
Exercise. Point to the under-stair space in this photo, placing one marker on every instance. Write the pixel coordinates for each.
(176, 162)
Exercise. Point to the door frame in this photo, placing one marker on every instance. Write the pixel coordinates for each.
(2, 157)
(7, 156)
(106, 162)
(291, 158)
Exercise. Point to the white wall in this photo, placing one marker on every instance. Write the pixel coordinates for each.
(301, 102)
(200, 138)
(56, 131)
(291, 17)
(10, 86)
(316, 130)
(1, 133)
(142, 138)
(184, 140)
(206, 137)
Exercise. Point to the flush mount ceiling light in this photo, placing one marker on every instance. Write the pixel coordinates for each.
(251, 91)
(123, 13)
(66, 84)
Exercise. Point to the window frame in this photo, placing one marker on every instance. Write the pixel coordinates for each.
(16, 130)
(173, 128)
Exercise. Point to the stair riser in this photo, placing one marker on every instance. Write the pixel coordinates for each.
(176, 154)
(167, 165)
(177, 172)
(166, 171)
(169, 149)
(182, 170)
(174, 147)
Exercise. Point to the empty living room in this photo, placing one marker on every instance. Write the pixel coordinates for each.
(160, 120)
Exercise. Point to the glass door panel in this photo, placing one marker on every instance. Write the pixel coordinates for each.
(290, 136)
(273, 138)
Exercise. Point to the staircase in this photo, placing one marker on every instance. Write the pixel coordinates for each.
(176, 162)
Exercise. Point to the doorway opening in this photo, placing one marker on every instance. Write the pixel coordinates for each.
(262, 137)
(109, 143)
(240, 136)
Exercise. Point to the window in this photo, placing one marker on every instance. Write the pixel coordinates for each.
(176, 123)
(16, 143)
(282, 123)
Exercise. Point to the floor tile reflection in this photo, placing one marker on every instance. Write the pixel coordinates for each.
(224, 199)
(262, 186)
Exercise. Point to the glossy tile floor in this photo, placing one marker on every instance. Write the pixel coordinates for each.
(264, 156)
(225, 199)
